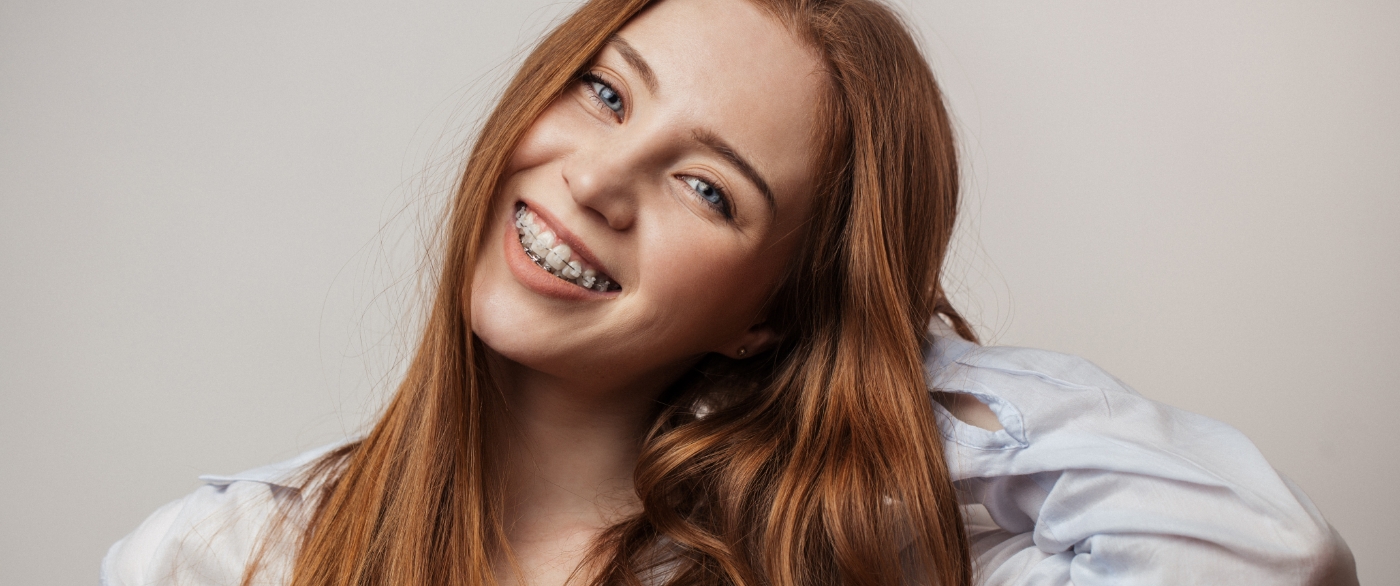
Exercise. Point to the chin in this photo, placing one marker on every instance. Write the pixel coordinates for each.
(507, 321)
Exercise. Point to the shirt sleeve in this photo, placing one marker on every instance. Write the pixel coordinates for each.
(206, 538)
(212, 535)
(1091, 484)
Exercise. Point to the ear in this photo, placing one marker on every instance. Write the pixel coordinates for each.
(758, 339)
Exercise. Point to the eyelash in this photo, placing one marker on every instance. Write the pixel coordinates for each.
(589, 79)
(721, 206)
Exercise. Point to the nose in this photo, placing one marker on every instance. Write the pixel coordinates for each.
(605, 180)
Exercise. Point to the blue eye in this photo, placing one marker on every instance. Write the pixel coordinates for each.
(711, 194)
(604, 93)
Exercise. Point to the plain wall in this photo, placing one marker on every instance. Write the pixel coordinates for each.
(210, 215)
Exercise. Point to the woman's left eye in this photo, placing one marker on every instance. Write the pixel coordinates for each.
(604, 93)
(711, 194)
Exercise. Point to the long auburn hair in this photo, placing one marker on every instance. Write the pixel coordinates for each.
(816, 463)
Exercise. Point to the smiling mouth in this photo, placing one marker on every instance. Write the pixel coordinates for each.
(548, 252)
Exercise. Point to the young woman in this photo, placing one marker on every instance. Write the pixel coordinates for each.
(689, 330)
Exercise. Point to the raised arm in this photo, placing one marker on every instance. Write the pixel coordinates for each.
(1070, 477)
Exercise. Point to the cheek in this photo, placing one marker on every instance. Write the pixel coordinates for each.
(483, 301)
(717, 291)
(549, 138)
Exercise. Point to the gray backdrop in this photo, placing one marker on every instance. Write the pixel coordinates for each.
(210, 214)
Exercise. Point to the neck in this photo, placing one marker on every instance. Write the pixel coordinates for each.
(568, 458)
(568, 451)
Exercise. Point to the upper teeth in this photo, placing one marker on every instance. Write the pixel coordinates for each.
(544, 247)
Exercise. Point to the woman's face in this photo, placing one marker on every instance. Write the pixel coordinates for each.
(677, 174)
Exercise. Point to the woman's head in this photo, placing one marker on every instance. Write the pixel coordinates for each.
(815, 462)
(683, 164)
(678, 166)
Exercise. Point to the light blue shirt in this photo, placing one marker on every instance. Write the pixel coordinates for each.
(1091, 483)
(1086, 483)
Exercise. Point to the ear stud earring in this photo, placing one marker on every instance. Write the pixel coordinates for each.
(742, 352)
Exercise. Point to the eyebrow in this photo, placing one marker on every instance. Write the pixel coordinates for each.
(633, 58)
(706, 138)
(714, 143)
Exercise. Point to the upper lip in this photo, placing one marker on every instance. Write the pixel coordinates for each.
(577, 246)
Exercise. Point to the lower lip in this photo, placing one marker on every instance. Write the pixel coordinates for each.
(539, 280)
